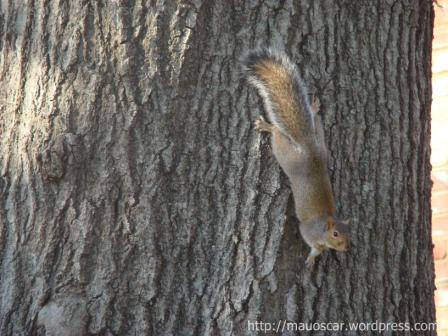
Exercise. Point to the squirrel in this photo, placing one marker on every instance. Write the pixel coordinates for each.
(298, 144)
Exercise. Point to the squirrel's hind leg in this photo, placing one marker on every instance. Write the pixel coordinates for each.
(262, 125)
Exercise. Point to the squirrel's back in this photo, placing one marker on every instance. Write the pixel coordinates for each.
(284, 94)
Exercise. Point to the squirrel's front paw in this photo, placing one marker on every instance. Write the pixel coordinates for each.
(310, 261)
(262, 126)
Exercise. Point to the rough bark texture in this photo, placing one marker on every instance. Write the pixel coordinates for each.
(137, 199)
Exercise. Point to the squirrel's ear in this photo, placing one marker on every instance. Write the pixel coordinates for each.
(347, 222)
(330, 223)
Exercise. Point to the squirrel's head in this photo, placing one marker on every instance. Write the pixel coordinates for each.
(337, 234)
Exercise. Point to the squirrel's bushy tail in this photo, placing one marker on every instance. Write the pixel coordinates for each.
(284, 94)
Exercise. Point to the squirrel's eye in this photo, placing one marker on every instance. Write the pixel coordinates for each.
(335, 234)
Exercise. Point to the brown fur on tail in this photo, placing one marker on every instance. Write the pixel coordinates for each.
(283, 92)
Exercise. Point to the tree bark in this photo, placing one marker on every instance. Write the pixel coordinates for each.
(137, 199)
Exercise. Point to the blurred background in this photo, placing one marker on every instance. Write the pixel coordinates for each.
(439, 160)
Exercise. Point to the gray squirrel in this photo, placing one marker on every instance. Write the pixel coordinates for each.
(298, 144)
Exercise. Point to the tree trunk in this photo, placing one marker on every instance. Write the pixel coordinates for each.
(137, 199)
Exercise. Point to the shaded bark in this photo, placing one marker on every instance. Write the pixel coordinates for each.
(136, 198)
